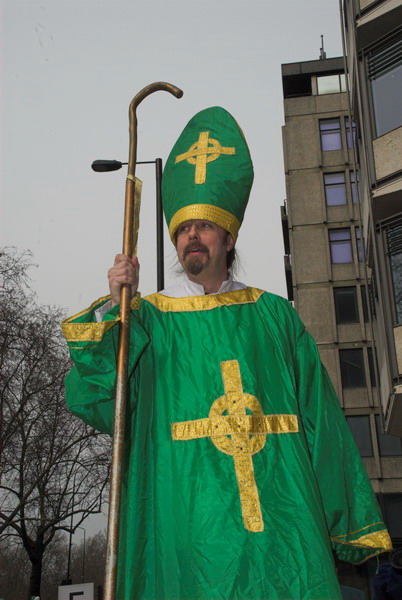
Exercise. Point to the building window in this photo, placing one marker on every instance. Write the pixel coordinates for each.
(330, 132)
(355, 187)
(359, 244)
(394, 251)
(296, 85)
(352, 368)
(370, 357)
(340, 243)
(360, 428)
(346, 309)
(392, 511)
(364, 303)
(385, 73)
(335, 189)
(348, 137)
(331, 84)
(389, 445)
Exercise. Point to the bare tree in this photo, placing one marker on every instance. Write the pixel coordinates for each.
(53, 467)
(87, 565)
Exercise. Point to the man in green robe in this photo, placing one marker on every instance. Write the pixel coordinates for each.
(241, 477)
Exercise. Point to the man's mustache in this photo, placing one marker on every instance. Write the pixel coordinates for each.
(195, 246)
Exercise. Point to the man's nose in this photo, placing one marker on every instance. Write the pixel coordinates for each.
(193, 232)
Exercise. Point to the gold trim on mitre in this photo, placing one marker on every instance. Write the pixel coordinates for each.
(217, 215)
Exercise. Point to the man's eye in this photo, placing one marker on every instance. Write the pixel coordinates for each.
(205, 225)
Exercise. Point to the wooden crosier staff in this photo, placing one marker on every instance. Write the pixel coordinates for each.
(129, 248)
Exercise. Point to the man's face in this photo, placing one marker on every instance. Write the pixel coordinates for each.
(203, 246)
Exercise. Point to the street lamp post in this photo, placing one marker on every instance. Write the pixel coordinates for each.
(83, 554)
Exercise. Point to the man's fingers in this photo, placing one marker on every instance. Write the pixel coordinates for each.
(124, 271)
(123, 258)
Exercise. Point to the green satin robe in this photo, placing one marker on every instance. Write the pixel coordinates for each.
(241, 477)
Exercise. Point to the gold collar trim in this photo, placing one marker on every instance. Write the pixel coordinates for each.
(195, 303)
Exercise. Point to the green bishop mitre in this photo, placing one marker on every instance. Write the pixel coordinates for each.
(209, 173)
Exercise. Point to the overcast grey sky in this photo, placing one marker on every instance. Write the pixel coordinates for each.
(69, 71)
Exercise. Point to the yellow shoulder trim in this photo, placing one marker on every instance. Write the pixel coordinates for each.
(91, 332)
(205, 211)
(195, 303)
(86, 332)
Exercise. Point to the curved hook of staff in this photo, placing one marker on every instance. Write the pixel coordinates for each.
(138, 98)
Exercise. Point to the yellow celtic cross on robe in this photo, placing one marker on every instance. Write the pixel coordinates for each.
(247, 433)
(202, 153)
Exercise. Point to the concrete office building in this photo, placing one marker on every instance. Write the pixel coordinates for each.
(326, 263)
(373, 35)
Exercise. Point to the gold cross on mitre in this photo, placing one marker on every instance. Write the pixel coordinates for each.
(202, 153)
(248, 433)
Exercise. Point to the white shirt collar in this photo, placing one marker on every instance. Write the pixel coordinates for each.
(196, 289)
(186, 288)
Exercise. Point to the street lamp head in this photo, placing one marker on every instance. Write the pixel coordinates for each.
(101, 166)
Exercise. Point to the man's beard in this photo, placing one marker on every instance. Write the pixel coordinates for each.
(194, 264)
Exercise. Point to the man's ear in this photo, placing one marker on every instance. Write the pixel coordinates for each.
(229, 243)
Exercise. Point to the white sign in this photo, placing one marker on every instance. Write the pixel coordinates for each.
(78, 591)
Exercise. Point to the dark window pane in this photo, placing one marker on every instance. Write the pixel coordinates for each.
(340, 245)
(389, 445)
(396, 270)
(330, 130)
(364, 303)
(330, 124)
(352, 368)
(348, 138)
(346, 305)
(387, 111)
(385, 72)
(394, 249)
(393, 514)
(360, 428)
(355, 187)
(335, 188)
(370, 357)
(359, 245)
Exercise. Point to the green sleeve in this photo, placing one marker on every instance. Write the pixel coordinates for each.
(93, 349)
(351, 510)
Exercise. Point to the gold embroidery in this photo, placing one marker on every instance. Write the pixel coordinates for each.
(217, 215)
(224, 425)
(82, 347)
(202, 153)
(92, 332)
(137, 205)
(358, 530)
(239, 426)
(380, 539)
(193, 303)
(86, 332)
